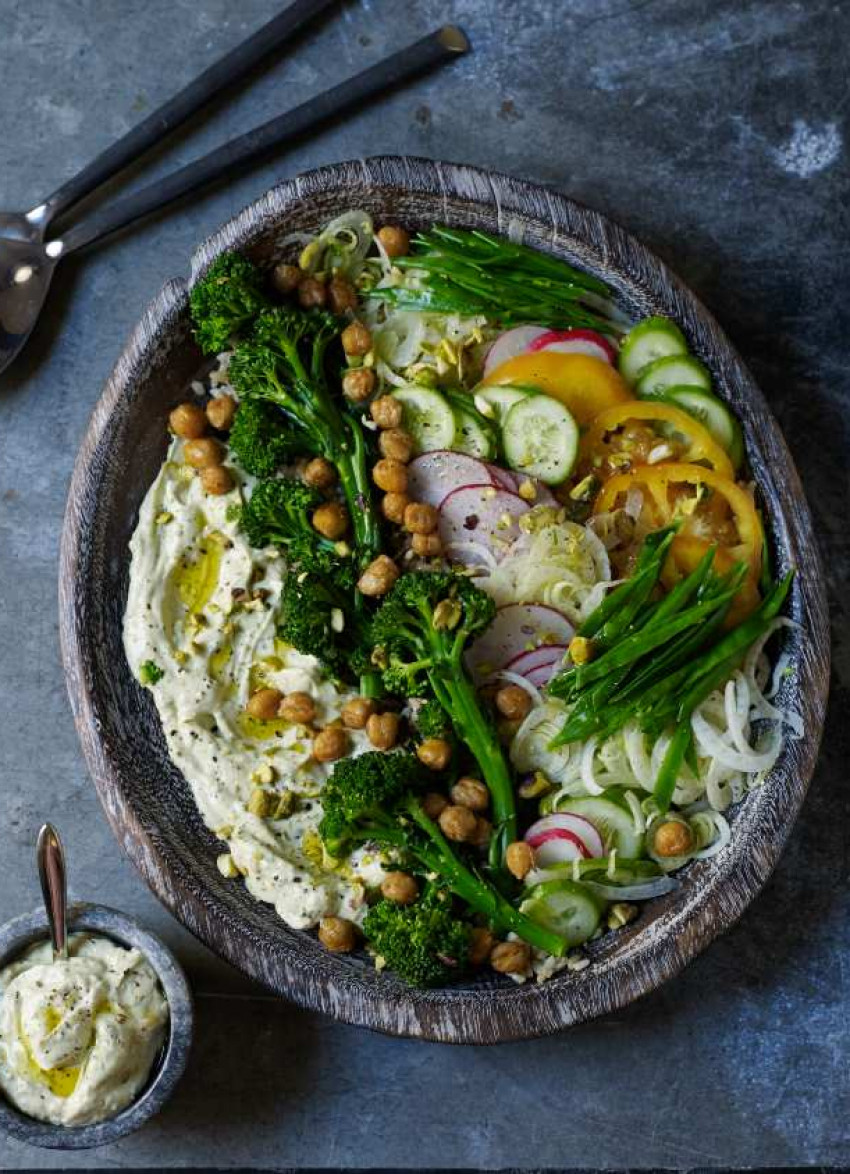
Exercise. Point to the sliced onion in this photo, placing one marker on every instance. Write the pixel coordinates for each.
(638, 817)
(644, 891)
(478, 548)
(712, 743)
(599, 553)
(635, 744)
(587, 773)
(724, 835)
(633, 504)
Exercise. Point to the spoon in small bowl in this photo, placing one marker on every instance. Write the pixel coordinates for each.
(54, 887)
(28, 259)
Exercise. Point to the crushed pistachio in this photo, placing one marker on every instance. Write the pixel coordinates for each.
(621, 914)
(164, 517)
(586, 488)
(535, 787)
(226, 865)
(263, 775)
(287, 804)
(447, 614)
(527, 490)
(581, 650)
(261, 803)
(337, 619)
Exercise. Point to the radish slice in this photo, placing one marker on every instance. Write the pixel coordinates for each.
(510, 344)
(517, 628)
(563, 826)
(432, 476)
(502, 477)
(481, 513)
(539, 666)
(575, 342)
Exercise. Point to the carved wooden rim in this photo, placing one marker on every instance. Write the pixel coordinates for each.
(718, 890)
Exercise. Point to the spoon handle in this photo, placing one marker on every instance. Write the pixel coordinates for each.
(223, 73)
(437, 48)
(54, 887)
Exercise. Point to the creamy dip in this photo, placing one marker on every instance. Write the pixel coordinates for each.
(201, 609)
(78, 1038)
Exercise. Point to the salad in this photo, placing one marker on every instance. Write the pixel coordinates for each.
(454, 599)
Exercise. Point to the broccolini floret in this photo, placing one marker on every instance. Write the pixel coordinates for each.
(225, 301)
(318, 618)
(426, 944)
(284, 362)
(260, 440)
(374, 797)
(278, 513)
(420, 633)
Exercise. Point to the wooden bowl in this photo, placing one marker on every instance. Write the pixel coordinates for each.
(147, 801)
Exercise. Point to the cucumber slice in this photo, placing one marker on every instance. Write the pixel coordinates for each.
(470, 437)
(427, 417)
(566, 907)
(496, 402)
(654, 338)
(612, 819)
(540, 439)
(673, 371)
(713, 414)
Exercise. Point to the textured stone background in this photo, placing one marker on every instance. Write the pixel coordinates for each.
(714, 130)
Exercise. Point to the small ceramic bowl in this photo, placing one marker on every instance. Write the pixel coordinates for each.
(16, 937)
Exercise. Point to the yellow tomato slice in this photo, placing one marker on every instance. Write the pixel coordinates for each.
(728, 503)
(701, 445)
(585, 385)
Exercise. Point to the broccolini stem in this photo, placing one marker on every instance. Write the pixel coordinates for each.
(458, 698)
(475, 891)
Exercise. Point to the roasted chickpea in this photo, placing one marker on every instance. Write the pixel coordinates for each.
(357, 711)
(433, 803)
(393, 506)
(513, 702)
(471, 793)
(510, 957)
(319, 474)
(435, 753)
(426, 545)
(216, 480)
(481, 942)
(338, 934)
(331, 520)
(457, 823)
(330, 744)
(201, 454)
(386, 412)
(396, 444)
(220, 412)
(672, 838)
(382, 730)
(356, 339)
(188, 421)
(358, 384)
(420, 518)
(299, 708)
(482, 833)
(519, 859)
(391, 476)
(342, 295)
(378, 577)
(286, 278)
(263, 704)
(312, 293)
(394, 239)
(400, 887)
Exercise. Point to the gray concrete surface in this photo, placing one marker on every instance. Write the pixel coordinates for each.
(713, 129)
